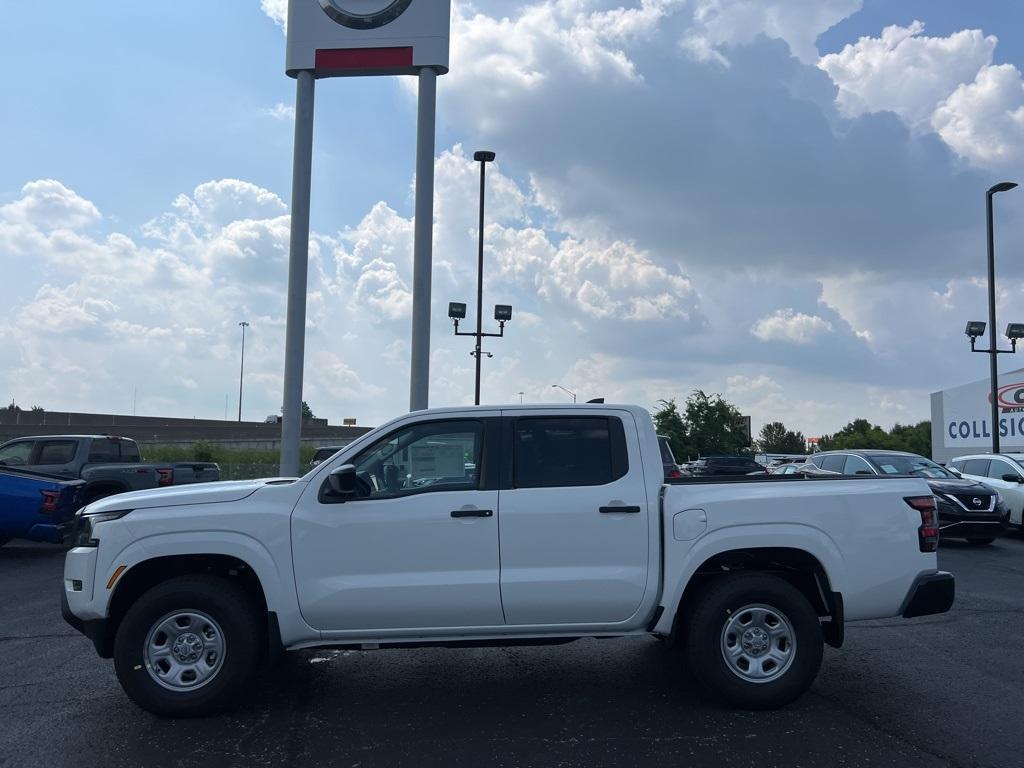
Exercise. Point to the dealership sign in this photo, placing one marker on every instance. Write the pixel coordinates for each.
(967, 414)
(339, 38)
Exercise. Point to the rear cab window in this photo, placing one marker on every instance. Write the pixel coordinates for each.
(569, 451)
(834, 463)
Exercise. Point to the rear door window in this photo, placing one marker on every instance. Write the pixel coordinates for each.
(130, 451)
(833, 463)
(855, 465)
(104, 452)
(976, 467)
(569, 451)
(53, 452)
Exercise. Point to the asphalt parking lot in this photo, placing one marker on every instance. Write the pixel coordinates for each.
(935, 691)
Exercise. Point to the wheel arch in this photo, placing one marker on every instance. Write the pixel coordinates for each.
(800, 567)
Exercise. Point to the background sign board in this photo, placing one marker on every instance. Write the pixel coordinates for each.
(961, 417)
(338, 38)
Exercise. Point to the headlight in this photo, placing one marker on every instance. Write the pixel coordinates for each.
(84, 525)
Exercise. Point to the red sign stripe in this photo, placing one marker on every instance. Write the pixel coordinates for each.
(363, 58)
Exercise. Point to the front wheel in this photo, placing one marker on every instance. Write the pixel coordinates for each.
(754, 641)
(188, 647)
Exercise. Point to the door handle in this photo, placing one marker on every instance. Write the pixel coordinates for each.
(472, 513)
(619, 510)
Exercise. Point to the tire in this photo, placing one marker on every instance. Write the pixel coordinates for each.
(215, 617)
(751, 607)
(980, 542)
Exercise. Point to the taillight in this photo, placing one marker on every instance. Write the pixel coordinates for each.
(674, 473)
(165, 477)
(928, 532)
(50, 501)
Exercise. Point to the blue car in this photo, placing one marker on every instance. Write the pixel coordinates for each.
(33, 505)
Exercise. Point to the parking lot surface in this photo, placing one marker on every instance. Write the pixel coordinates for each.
(937, 691)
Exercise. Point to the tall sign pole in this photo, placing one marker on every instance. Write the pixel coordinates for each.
(423, 248)
(298, 274)
(353, 38)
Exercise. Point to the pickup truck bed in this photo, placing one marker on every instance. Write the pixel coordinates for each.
(498, 526)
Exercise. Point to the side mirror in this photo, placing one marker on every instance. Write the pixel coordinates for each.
(343, 481)
(1012, 477)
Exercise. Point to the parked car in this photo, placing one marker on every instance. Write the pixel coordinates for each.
(968, 509)
(726, 466)
(322, 454)
(390, 543)
(109, 465)
(1003, 472)
(33, 506)
(668, 461)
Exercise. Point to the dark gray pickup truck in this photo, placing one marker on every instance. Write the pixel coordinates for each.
(109, 465)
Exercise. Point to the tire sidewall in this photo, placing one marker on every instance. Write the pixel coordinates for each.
(708, 618)
(223, 601)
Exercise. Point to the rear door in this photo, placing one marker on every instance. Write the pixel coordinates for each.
(573, 519)
(57, 457)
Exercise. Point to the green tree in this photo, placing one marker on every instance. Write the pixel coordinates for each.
(860, 433)
(669, 422)
(712, 426)
(307, 412)
(775, 438)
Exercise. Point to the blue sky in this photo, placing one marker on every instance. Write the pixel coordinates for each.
(742, 197)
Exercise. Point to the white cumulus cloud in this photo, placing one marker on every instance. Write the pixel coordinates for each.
(791, 326)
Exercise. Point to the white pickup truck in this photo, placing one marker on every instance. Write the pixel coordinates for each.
(497, 526)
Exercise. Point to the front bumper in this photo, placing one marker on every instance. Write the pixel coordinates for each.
(95, 629)
(931, 593)
(954, 523)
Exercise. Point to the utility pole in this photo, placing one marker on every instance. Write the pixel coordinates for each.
(241, 370)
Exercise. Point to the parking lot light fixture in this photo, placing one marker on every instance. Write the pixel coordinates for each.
(993, 351)
(502, 312)
(567, 391)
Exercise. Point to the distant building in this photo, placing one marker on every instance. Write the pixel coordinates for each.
(962, 417)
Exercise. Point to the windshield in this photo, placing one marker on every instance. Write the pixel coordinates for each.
(918, 466)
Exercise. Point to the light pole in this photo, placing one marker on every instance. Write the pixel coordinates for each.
(521, 398)
(241, 369)
(457, 310)
(567, 391)
(975, 328)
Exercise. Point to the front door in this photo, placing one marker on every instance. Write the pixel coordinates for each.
(418, 547)
(574, 524)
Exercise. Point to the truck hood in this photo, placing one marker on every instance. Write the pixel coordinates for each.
(200, 493)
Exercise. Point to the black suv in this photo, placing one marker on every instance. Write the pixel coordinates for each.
(726, 466)
(967, 509)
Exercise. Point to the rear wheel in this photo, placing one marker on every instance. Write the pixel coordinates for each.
(754, 641)
(189, 646)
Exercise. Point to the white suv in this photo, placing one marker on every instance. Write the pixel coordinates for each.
(1004, 472)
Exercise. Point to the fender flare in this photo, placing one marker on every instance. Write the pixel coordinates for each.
(798, 536)
(271, 574)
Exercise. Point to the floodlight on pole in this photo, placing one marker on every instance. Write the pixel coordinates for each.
(976, 328)
(457, 310)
